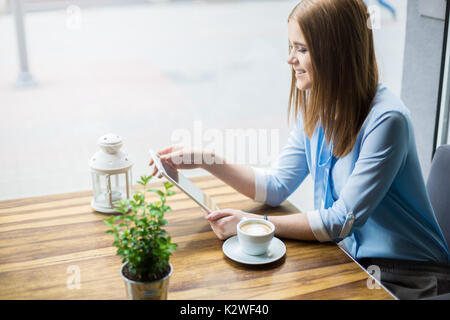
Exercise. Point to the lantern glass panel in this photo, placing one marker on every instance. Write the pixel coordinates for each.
(100, 183)
(95, 184)
(119, 186)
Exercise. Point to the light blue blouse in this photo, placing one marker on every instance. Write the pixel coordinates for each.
(373, 199)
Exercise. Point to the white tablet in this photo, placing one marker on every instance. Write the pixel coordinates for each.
(184, 184)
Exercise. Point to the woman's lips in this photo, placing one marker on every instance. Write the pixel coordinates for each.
(299, 73)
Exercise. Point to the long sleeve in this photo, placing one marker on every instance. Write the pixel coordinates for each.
(275, 184)
(383, 152)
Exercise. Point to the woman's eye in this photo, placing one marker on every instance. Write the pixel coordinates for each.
(301, 50)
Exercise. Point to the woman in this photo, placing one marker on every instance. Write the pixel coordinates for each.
(355, 138)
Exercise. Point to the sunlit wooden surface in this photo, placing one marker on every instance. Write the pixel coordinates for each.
(45, 240)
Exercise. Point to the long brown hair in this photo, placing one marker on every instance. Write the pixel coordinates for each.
(344, 70)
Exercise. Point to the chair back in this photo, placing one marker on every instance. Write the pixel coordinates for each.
(438, 187)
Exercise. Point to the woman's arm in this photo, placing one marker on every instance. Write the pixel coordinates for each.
(270, 186)
(239, 177)
(293, 226)
(383, 153)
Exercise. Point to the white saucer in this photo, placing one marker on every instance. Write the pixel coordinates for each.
(232, 250)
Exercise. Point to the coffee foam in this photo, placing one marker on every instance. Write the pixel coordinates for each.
(256, 228)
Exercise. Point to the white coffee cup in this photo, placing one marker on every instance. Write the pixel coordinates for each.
(255, 235)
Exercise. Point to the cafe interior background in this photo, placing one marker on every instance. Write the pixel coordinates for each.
(148, 69)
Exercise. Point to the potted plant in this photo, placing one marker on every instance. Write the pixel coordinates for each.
(142, 244)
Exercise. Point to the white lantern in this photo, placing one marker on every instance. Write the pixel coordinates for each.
(111, 174)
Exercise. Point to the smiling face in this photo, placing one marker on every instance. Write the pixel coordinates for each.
(334, 53)
(299, 57)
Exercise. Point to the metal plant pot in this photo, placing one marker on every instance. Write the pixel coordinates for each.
(154, 290)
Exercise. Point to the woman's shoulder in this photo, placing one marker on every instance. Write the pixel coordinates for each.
(386, 105)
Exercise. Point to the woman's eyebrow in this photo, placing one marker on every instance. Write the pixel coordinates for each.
(299, 44)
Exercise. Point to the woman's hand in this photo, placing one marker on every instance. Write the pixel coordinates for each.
(179, 157)
(224, 222)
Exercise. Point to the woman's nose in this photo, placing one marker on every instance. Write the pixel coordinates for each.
(291, 59)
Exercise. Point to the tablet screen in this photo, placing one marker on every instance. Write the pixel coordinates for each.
(183, 183)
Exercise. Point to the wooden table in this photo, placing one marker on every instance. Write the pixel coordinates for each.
(46, 242)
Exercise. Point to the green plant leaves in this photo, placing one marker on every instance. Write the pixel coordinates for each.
(144, 180)
(159, 192)
(167, 185)
(137, 231)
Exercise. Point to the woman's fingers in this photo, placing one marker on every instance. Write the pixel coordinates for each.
(216, 215)
(224, 222)
(173, 159)
(169, 149)
(164, 151)
(205, 213)
(156, 173)
(174, 156)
